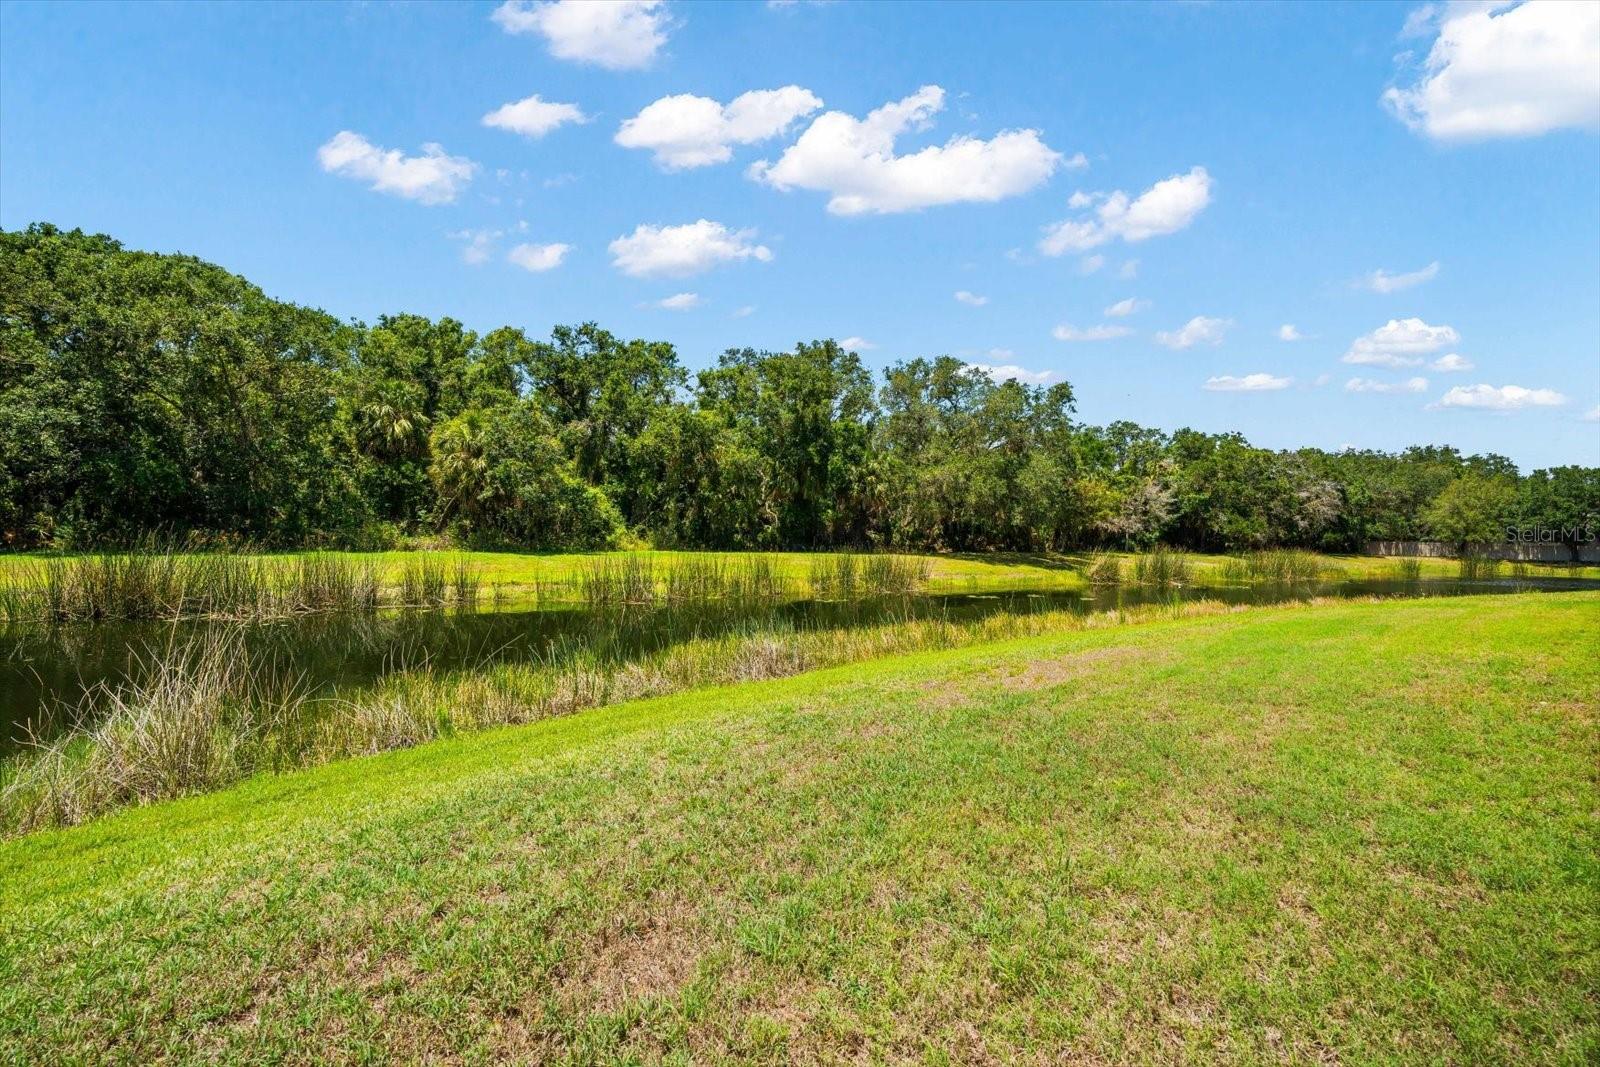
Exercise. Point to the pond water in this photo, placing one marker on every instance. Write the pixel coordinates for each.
(46, 669)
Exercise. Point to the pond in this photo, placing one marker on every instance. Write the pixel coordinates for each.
(46, 670)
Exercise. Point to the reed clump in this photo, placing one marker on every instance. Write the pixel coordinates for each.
(1104, 569)
(607, 582)
(1161, 566)
(1408, 570)
(195, 721)
(853, 575)
(1479, 569)
(1283, 566)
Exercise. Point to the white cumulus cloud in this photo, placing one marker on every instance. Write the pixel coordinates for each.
(679, 302)
(1500, 398)
(1592, 415)
(1250, 383)
(537, 257)
(1369, 385)
(677, 251)
(1451, 363)
(1288, 332)
(972, 300)
(857, 344)
(1381, 281)
(1166, 207)
(1498, 70)
(853, 161)
(1399, 343)
(1199, 330)
(1007, 371)
(1124, 308)
(687, 131)
(533, 117)
(1104, 332)
(615, 34)
(434, 177)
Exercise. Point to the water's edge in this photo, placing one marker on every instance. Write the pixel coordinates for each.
(47, 669)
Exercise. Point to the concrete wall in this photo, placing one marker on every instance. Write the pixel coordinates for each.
(1514, 550)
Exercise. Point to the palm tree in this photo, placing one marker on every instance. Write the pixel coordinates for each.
(388, 425)
(460, 467)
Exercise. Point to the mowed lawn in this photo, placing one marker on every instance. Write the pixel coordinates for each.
(1365, 832)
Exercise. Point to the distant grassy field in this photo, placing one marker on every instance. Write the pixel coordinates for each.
(1354, 833)
(519, 572)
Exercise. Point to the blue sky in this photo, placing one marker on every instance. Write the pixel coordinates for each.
(1264, 181)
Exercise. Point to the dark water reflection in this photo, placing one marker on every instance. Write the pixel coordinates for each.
(44, 668)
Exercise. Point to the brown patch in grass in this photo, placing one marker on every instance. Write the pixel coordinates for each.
(653, 956)
(1046, 673)
(1019, 676)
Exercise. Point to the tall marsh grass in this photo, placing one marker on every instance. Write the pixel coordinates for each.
(1103, 569)
(1479, 569)
(208, 715)
(196, 721)
(1283, 566)
(1161, 566)
(1408, 570)
(852, 575)
(162, 584)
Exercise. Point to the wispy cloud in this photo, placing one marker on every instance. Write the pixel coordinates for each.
(434, 177)
(1381, 281)
(538, 258)
(1500, 398)
(533, 117)
(1124, 308)
(1369, 385)
(1250, 383)
(1199, 330)
(1104, 332)
(678, 302)
(1166, 207)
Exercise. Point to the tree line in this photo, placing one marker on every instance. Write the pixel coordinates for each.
(144, 393)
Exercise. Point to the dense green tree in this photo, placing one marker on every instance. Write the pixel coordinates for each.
(702, 483)
(144, 393)
(1561, 505)
(503, 479)
(807, 414)
(602, 393)
(1473, 508)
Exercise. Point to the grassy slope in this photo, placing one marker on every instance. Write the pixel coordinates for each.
(1355, 832)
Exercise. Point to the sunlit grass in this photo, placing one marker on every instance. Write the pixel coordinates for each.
(1357, 833)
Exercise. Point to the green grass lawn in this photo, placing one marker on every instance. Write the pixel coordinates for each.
(1356, 833)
